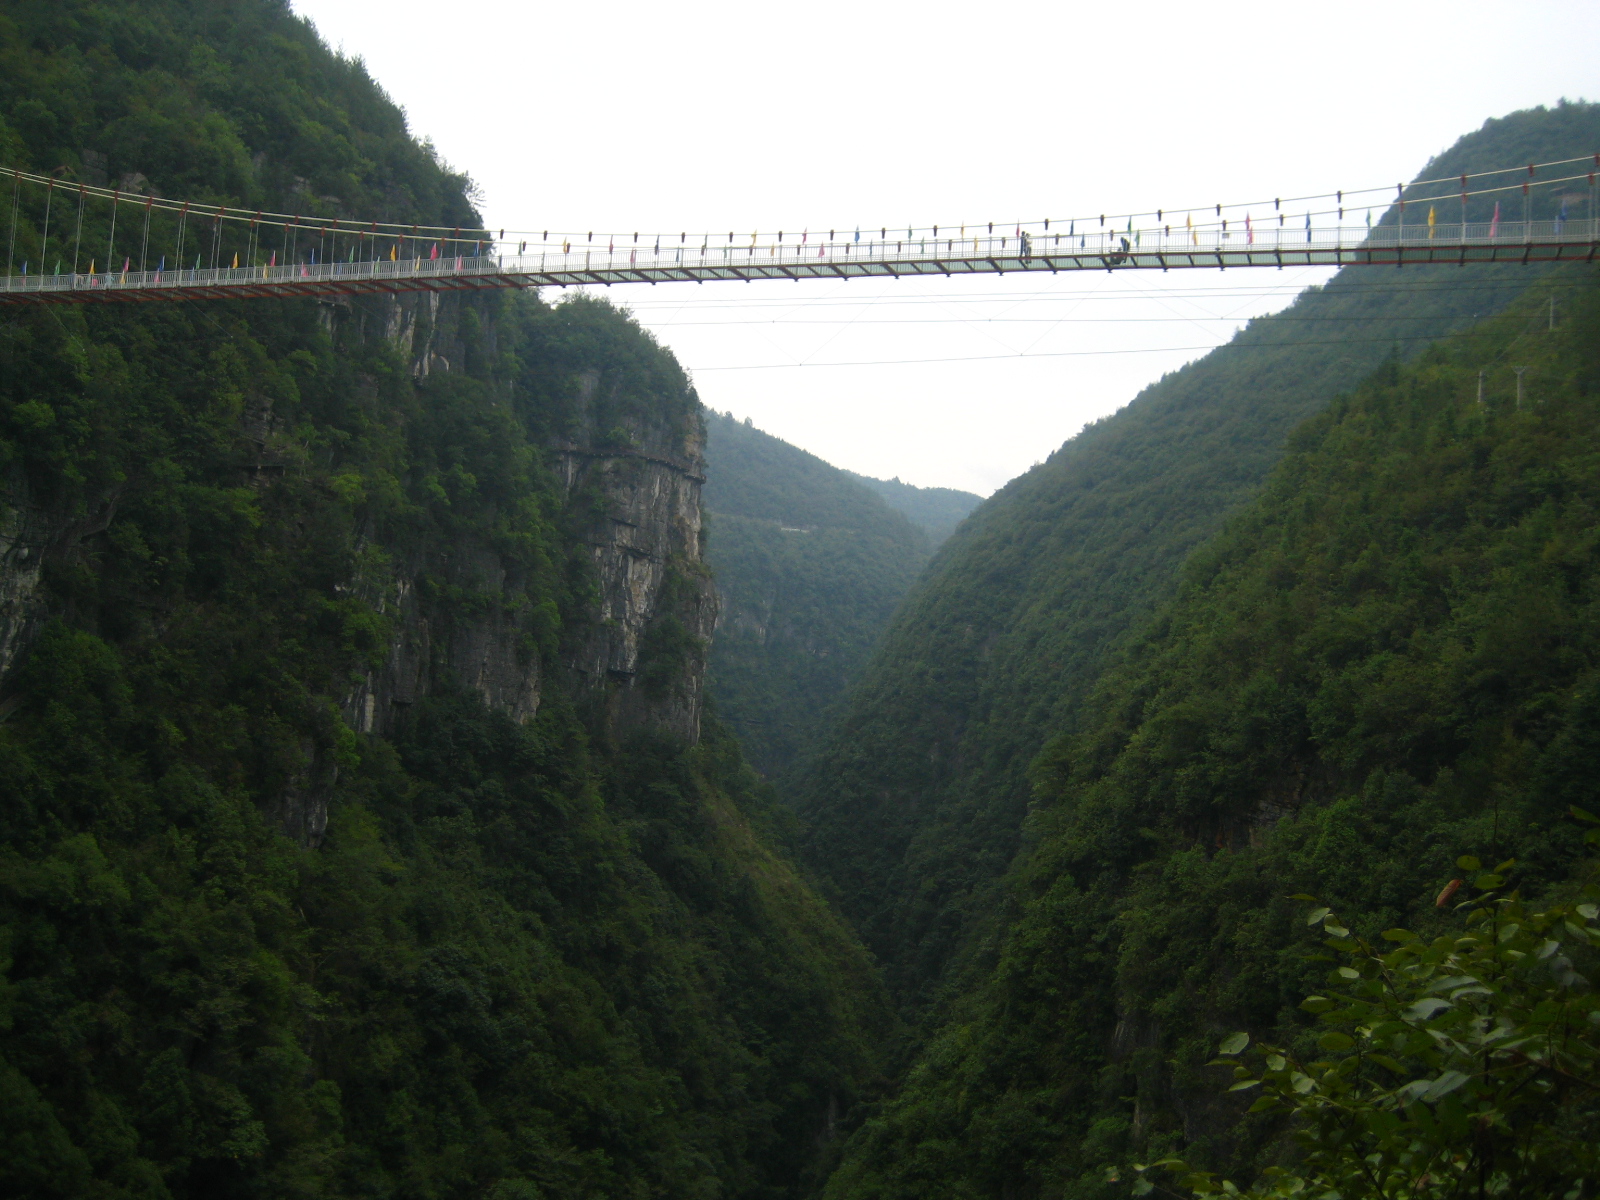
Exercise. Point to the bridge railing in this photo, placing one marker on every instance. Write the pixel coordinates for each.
(1001, 251)
(1176, 241)
(254, 277)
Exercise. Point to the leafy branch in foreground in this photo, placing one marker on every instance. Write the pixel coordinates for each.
(1465, 1066)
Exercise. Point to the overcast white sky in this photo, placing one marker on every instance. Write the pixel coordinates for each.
(620, 115)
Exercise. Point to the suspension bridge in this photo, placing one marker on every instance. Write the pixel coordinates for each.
(194, 251)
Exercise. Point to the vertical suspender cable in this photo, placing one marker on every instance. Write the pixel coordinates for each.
(111, 239)
(77, 234)
(11, 249)
(183, 221)
(44, 250)
(144, 245)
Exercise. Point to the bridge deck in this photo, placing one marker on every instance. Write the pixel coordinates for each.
(1145, 250)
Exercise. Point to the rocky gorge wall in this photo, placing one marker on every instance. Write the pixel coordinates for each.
(628, 474)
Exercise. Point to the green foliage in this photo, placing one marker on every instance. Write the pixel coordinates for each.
(810, 565)
(1468, 1065)
(235, 101)
(1389, 659)
(495, 968)
(525, 959)
(916, 803)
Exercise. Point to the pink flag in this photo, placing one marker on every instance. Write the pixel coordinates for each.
(1249, 230)
(434, 253)
(1494, 225)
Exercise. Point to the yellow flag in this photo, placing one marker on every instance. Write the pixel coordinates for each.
(1430, 220)
(394, 252)
(235, 262)
(91, 266)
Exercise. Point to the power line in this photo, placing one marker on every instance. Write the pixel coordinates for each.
(1275, 317)
(888, 298)
(893, 362)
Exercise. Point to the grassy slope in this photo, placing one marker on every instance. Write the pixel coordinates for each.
(915, 805)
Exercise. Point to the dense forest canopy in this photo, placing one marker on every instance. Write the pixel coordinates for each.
(1387, 664)
(915, 804)
(363, 832)
(216, 101)
(326, 866)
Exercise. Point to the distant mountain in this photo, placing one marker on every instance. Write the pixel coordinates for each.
(936, 510)
(915, 806)
(810, 564)
(1387, 661)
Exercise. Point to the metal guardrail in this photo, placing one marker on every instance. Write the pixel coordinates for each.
(1162, 248)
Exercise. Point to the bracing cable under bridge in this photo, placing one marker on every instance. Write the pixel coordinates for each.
(175, 250)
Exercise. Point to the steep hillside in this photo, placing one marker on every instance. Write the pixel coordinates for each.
(1389, 660)
(809, 565)
(936, 511)
(916, 805)
(360, 832)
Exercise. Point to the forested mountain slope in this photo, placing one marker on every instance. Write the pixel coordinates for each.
(1389, 660)
(809, 564)
(915, 805)
(935, 510)
(359, 831)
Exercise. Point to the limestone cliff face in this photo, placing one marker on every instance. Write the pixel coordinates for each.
(26, 536)
(485, 652)
(30, 536)
(632, 477)
(630, 469)
(635, 493)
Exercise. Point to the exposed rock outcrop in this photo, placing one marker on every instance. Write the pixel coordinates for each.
(631, 468)
(632, 483)
(640, 509)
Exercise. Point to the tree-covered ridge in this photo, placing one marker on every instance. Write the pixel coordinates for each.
(935, 510)
(1388, 661)
(519, 958)
(916, 803)
(214, 101)
(810, 565)
(559, 956)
